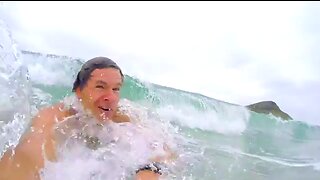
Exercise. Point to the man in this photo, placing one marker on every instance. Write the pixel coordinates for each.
(97, 86)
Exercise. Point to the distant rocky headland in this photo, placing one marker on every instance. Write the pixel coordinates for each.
(268, 107)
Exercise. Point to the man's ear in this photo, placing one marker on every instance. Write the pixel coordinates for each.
(78, 92)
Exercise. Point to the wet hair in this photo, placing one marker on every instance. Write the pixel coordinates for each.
(88, 67)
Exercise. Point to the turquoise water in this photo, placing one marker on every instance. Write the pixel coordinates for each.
(217, 140)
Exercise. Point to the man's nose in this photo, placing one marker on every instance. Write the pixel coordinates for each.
(108, 96)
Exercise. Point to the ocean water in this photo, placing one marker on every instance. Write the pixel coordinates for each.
(212, 139)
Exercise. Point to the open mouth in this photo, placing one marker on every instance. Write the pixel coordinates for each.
(105, 109)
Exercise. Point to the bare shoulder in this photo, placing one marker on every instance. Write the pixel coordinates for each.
(120, 116)
(53, 111)
(44, 120)
(49, 115)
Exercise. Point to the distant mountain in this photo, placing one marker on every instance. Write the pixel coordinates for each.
(267, 107)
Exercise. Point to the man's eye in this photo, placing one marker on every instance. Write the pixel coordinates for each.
(99, 86)
(116, 89)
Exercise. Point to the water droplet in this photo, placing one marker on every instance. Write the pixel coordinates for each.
(130, 134)
(27, 76)
(155, 144)
(60, 109)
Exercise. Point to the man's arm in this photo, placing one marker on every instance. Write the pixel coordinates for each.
(147, 175)
(27, 158)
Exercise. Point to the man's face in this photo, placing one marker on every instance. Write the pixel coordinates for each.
(101, 94)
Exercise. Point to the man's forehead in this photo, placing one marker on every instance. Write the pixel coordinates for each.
(111, 72)
(112, 77)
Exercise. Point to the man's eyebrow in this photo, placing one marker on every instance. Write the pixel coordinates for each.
(105, 83)
(101, 82)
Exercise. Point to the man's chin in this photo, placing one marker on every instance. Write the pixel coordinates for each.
(104, 117)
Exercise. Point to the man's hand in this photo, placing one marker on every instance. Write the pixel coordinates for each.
(168, 157)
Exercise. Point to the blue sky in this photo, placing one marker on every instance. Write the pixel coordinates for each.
(239, 52)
